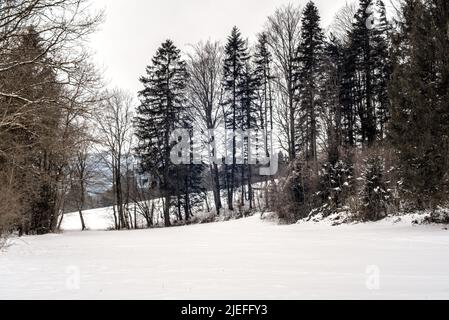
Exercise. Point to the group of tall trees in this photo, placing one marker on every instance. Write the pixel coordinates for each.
(374, 93)
(47, 88)
(219, 91)
(419, 94)
(359, 109)
(343, 104)
(318, 93)
(59, 129)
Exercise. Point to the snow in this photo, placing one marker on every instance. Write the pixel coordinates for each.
(240, 259)
(95, 219)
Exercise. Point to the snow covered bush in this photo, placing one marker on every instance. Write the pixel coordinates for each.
(374, 194)
(335, 185)
(439, 215)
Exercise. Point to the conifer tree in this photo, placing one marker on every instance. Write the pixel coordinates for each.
(248, 121)
(310, 80)
(369, 56)
(383, 68)
(236, 58)
(374, 193)
(30, 150)
(161, 111)
(330, 95)
(419, 93)
(348, 98)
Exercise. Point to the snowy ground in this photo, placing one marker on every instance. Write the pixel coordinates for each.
(241, 259)
(95, 219)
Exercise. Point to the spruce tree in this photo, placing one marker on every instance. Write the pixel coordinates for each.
(236, 58)
(383, 68)
(30, 147)
(161, 111)
(330, 93)
(374, 194)
(419, 93)
(361, 39)
(248, 121)
(369, 56)
(348, 98)
(310, 79)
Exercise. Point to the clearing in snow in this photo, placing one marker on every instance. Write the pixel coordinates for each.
(240, 259)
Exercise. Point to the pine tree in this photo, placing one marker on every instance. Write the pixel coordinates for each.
(348, 98)
(248, 121)
(382, 68)
(310, 59)
(236, 58)
(374, 195)
(419, 93)
(30, 150)
(369, 56)
(161, 111)
(361, 39)
(330, 93)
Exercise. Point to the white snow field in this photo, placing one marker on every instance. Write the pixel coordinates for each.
(240, 259)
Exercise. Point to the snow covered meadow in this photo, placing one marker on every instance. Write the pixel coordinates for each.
(239, 259)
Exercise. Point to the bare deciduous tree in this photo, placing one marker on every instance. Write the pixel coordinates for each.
(283, 33)
(61, 26)
(205, 67)
(46, 86)
(343, 21)
(83, 173)
(114, 122)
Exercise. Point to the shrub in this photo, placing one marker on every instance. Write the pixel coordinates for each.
(336, 184)
(295, 197)
(374, 194)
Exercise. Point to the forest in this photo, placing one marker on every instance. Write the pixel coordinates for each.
(354, 116)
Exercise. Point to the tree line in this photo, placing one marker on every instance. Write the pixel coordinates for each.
(357, 112)
(373, 94)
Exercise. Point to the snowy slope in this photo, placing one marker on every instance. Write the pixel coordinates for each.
(95, 219)
(103, 219)
(241, 259)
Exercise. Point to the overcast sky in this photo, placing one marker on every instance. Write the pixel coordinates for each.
(134, 29)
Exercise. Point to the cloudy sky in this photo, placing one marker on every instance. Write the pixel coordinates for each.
(134, 29)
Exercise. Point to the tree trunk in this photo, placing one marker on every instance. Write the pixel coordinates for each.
(167, 211)
(179, 208)
(216, 188)
(250, 187)
(135, 216)
(187, 207)
(83, 225)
